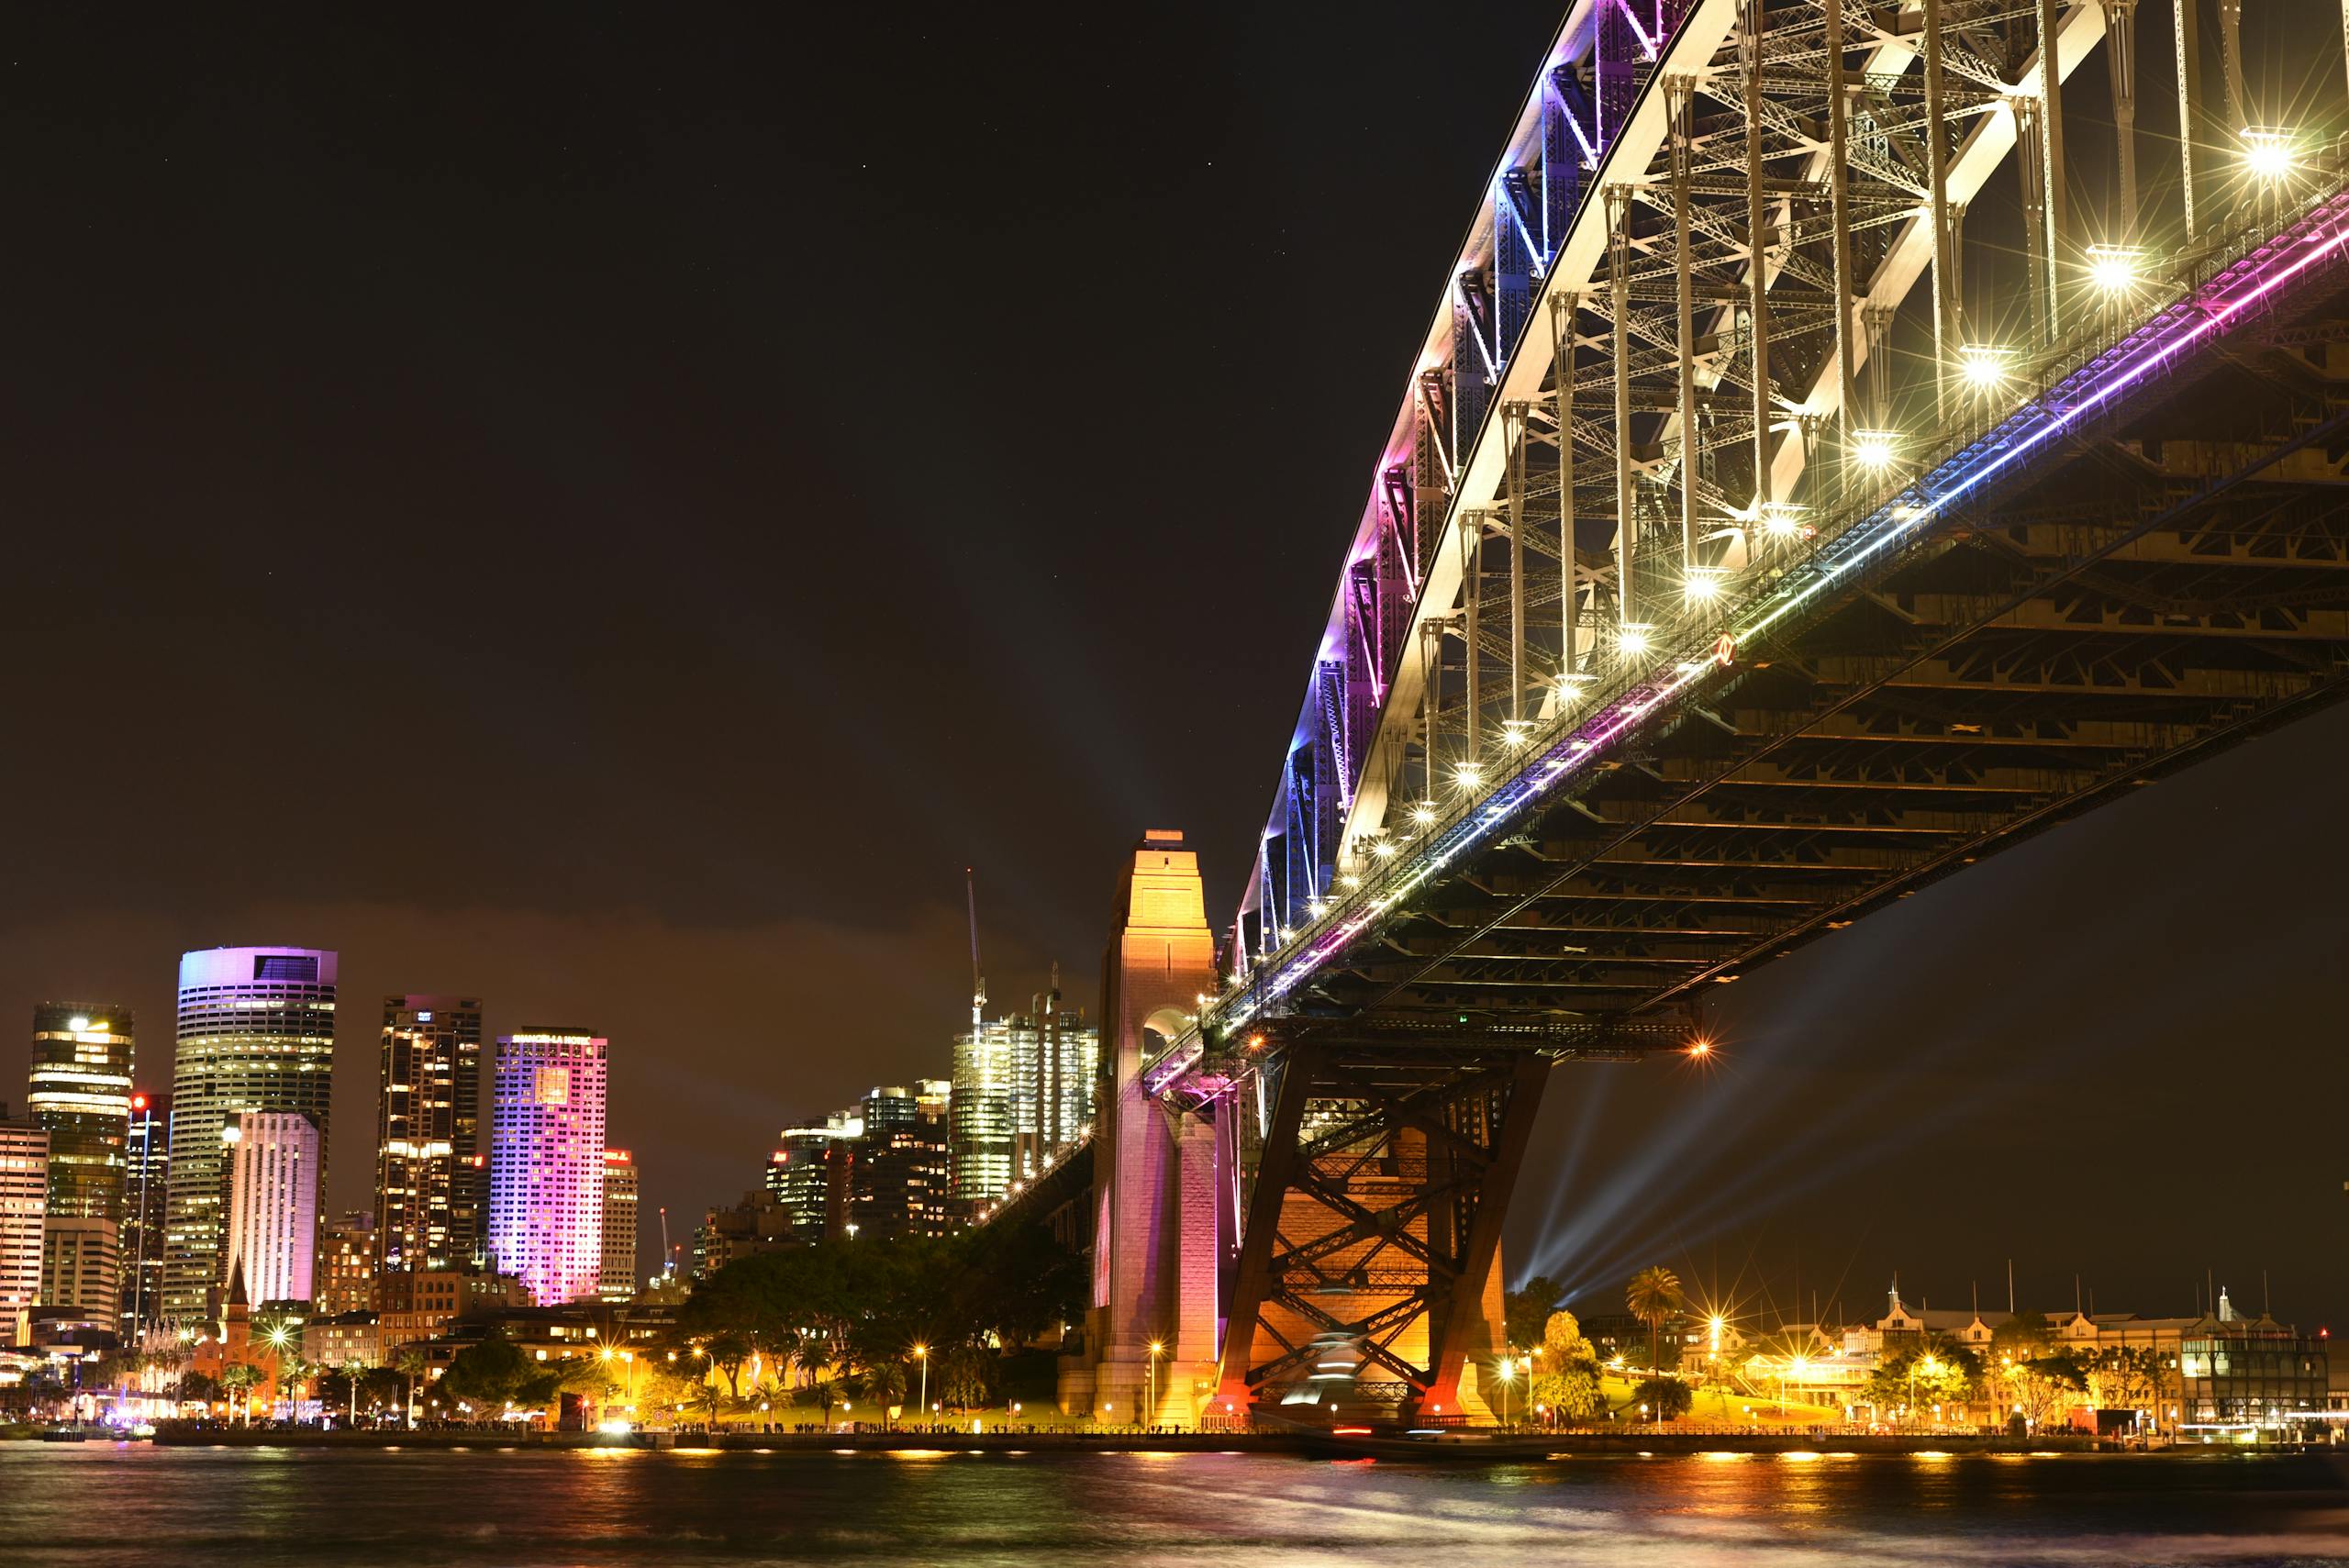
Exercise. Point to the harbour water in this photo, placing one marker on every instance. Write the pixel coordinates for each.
(136, 1504)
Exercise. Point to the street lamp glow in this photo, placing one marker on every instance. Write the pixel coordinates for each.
(1701, 1048)
(1983, 365)
(2113, 268)
(2267, 153)
(1874, 448)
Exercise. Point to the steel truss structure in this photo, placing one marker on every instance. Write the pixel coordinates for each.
(1373, 1189)
(1711, 318)
(1731, 569)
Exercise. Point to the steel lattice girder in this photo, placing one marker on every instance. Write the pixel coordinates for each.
(1455, 429)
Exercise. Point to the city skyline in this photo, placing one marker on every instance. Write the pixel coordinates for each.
(2017, 991)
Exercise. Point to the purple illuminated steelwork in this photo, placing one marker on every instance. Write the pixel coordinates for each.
(2315, 240)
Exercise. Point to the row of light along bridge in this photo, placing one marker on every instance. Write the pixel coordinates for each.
(1841, 450)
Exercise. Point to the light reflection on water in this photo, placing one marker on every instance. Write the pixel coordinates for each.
(139, 1506)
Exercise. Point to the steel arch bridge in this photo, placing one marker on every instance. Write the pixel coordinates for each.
(1750, 546)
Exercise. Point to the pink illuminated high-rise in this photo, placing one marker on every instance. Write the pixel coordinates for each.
(546, 1163)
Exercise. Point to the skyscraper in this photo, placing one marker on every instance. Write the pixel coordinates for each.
(429, 1186)
(616, 1279)
(1023, 1091)
(809, 1172)
(145, 1184)
(24, 1204)
(273, 1177)
(80, 1097)
(900, 1184)
(546, 1163)
(256, 1033)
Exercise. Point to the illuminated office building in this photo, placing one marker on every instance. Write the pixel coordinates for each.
(79, 1094)
(546, 1163)
(347, 1265)
(255, 1033)
(1022, 1092)
(274, 1188)
(900, 1181)
(431, 1181)
(810, 1171)
(615, 1279)
(146, 1178)
(24, 1205)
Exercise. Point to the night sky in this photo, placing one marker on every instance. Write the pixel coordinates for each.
(612, 511)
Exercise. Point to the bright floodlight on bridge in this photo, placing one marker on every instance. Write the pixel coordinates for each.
(2267, 153)
(1383, 848)
(1423, 813)
(1632, 640)
(1700, 1047)
(1469, 775)
(1702, 586)
(1781, 519)
(1874, 448)
(1517, 732)
(1983, 366)
(2114, 268)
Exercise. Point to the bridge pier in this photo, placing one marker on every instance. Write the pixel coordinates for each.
(1160, 1233)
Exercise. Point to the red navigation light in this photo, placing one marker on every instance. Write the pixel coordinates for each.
(138, 1102)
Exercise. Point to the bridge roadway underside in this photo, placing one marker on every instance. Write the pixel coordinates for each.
(2166, 585)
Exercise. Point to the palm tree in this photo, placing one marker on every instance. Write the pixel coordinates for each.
(885, 1382)
(1653, 1297)
(238, 1382)
(411, 1362)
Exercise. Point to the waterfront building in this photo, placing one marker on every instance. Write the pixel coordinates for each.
(546, 1163)
(617, 1280)
(431, 1181)
(79, 1094)
(344, 1339)
(1022, 1092)
(423, 1306)
(255, 1033)
(273, 1181)
(146, 1181)
(346, 1275)
(900, 1182)
(24, 1208)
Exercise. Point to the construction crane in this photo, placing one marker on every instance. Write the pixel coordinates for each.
(978, 981)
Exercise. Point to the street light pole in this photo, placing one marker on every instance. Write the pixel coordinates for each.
(922, 1354)
(1150, 1413)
